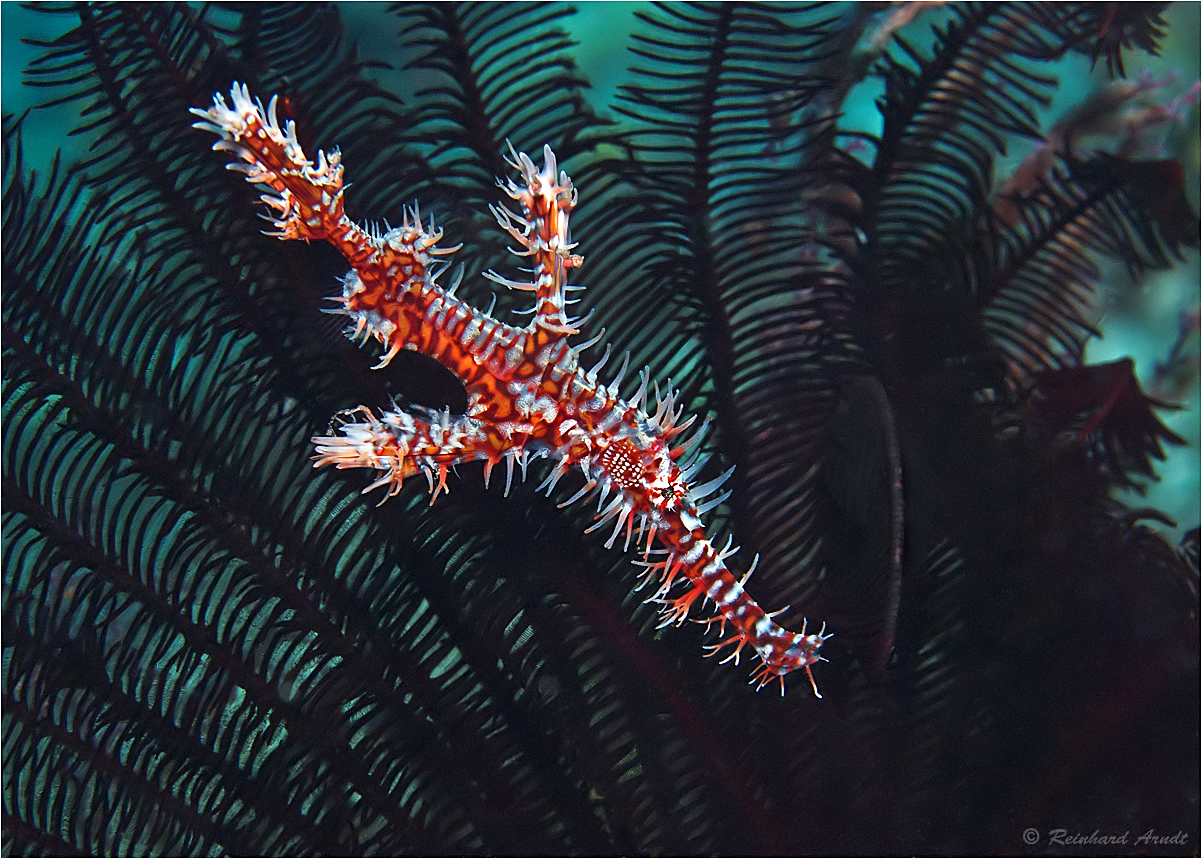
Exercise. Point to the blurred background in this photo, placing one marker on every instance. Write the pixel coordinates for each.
(1154, 321)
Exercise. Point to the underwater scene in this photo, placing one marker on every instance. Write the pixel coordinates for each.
(621, 429)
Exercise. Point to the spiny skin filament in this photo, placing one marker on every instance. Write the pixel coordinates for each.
(528, 396)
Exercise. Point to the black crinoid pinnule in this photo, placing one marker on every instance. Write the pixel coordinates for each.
(211, 648)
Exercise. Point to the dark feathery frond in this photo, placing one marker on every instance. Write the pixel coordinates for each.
(1035, 294)
(1100, 408)
(200, 414)
(170, 511)
(945, 117)
(165, 188)
(231, 572)
(301, 52)
(1109, 29)
(501, 72)
(724, 120)
(490, 76)
(211, 648)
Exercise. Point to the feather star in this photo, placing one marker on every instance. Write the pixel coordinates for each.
(527, 395)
